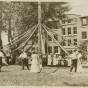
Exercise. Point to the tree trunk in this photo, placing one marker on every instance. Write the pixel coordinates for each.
(9, 31)
(0, 30)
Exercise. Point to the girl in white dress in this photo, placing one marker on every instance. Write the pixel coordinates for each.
(49, 59)
(54, 59)
(57, 59)
(79, 65)
(35, 66)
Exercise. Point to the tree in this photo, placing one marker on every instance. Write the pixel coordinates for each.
(50, 11)
(1, 28)
(18, 17)
(83, 49)
(24, 15)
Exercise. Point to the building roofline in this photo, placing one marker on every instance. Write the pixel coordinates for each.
(84, 16)
(73, 14)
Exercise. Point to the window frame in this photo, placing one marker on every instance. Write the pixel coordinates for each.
(49, 38)
(63, 22)
(75, 20)
(56, 37)
(63, 43)
(69, 42)
(50, 49)
(84, 36)
(63, 32)
(70, 21)
(85, 23)
(74, 31)
(69, 33)
(55, 49)
(75, 42)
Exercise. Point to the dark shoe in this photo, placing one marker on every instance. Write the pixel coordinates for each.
(70, 70)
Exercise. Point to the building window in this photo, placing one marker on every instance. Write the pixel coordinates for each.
(70, 51)
(33, 48)
(49, 38)
(55, 26)
(37, 49)
(63, 21)
(74, 20)
(56, 37)
(63, 31)
(50, 49)
(74, 30)
(36, 39)
(70, 20)
(75, 41)
(84, 23)
(55, 49)
(84, 35)
(63, 43)
(69, 42)
(69, 31)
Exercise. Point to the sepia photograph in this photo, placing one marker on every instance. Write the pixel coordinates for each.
(44, 43)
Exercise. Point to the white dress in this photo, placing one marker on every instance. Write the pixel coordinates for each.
(3, 58)
(69, 61)
(79, 65)
(35, 67)
(57, 60)
(54, 60)
(49, 59)
(29, 60)
(3, 61)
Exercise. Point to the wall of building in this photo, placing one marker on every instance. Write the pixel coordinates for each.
(75, 22)
(53, 44)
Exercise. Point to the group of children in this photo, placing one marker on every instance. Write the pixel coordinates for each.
(36, 60)
(74, 60)
(55, 59)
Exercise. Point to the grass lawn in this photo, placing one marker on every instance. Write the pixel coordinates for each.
(13, 75)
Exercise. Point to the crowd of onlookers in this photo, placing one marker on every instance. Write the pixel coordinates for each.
(47, 59)
(36, 61)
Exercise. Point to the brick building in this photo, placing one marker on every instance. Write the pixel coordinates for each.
(74, 30)
(70, 31)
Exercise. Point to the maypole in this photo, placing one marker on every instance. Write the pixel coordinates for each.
(39, 34)
(39, 27)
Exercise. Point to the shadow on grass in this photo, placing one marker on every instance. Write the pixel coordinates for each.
(5, 71)
(70, 84)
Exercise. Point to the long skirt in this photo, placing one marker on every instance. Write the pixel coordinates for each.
(49, 61)
(35, 67)
(69, 62)
(3, 61)
(0, 61)
(79, 66)
(54, 61)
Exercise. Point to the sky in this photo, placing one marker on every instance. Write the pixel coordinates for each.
(79, 7)
(4, 38)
